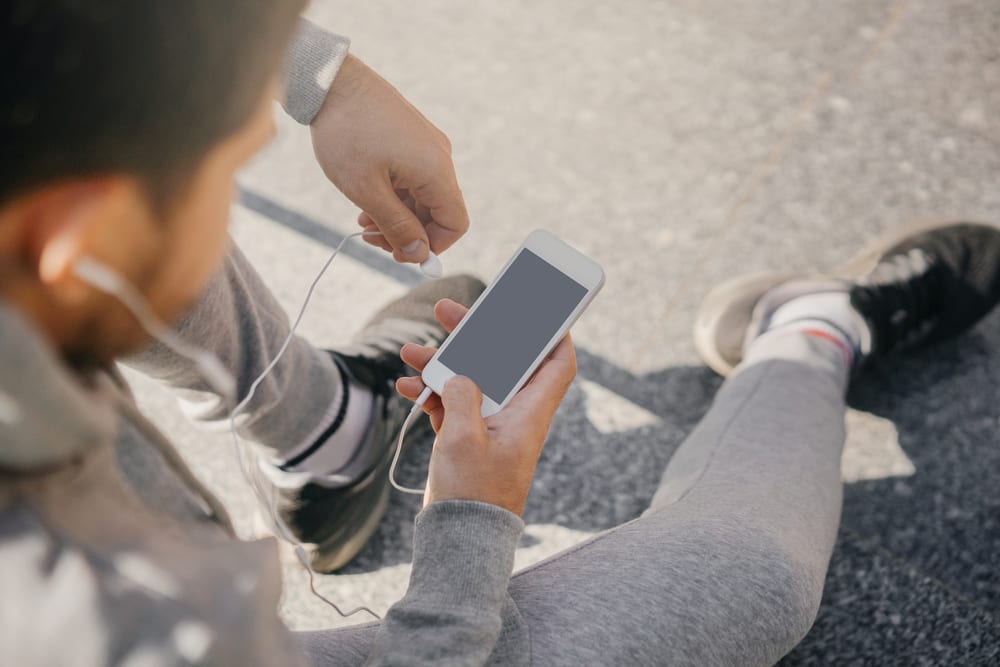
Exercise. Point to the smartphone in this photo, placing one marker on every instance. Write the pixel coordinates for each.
(517, 320)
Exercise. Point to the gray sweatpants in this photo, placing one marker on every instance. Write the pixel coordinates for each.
(727, 565)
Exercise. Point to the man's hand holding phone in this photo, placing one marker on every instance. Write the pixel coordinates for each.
(491, 460)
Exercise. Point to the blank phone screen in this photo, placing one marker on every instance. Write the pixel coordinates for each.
(511, 327)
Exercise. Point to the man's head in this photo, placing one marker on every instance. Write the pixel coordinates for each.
(122, 123)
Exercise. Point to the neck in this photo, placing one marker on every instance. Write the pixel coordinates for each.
(49, 414)
(19, 297)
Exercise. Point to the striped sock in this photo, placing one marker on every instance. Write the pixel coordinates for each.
(826, 315)
(342, 430)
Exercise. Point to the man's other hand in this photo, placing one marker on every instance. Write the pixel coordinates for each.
(391, 162)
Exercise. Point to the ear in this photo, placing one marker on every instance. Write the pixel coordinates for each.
(63, 223)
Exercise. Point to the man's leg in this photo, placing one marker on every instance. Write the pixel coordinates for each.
(727, 565)
(238, 319)
(326, 422)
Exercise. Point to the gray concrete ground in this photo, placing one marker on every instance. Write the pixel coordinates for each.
(678, 143)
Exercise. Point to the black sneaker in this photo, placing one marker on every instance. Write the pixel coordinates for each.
(930, 285)
(915, 286)
(335, 517)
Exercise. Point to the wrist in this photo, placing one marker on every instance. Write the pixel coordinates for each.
(501, 491)
(514, 506)
(348, 82)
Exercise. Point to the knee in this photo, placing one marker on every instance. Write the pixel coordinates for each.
(799, 594)
(752, 592)
(782, 589)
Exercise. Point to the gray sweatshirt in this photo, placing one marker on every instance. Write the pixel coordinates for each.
(97, 568)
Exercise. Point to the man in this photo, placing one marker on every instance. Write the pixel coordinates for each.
(727, 565)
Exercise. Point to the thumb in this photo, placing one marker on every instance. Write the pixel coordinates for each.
(463, 419)
(398, 224)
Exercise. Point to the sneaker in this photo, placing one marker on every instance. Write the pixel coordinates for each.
(915, 286)
(335, 517)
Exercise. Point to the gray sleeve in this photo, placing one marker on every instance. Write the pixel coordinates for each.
(453, 611)
(313, 61)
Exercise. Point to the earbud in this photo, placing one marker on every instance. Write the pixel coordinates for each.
(98, 275)
(112, 283)
(432, 267)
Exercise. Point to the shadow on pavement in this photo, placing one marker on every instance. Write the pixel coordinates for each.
(922, 551)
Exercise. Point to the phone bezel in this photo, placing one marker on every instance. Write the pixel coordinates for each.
(561, 256)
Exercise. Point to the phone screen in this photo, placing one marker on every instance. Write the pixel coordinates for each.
(511, 327)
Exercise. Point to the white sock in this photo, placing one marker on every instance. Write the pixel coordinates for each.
(325, 452)
(827, 315)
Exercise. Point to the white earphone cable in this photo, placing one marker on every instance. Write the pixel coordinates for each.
(250, 468)
(222, 381)
(414, 411)
(266, 497)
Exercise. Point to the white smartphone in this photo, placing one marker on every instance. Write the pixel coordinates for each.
(517, 320)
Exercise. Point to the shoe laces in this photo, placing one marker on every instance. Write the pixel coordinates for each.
(900, 298)
(389, 336)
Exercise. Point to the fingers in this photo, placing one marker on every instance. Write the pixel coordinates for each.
(368, 225)
(558, 370)
(462, 395)
(564, 351)
(550, 382)
(462, 400)
(439, 209)
(449, 313)
(416, 356)
(444, 208)
(463, 423)
(402, 230)
(411, 388)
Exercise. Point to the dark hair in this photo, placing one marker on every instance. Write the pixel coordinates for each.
(143, 87)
